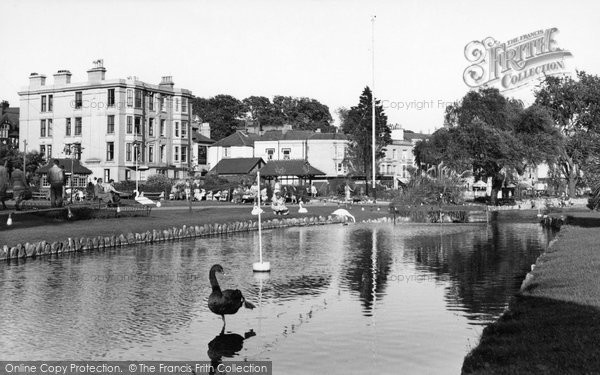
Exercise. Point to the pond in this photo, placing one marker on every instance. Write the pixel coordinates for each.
(361, 298)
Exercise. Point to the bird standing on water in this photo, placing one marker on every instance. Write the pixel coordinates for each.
(227, 301)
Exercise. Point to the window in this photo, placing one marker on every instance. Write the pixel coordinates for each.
(151, 127)
(176, 104)
(226, 152)
(78, 100)
(151, 154)
(127, 175)
(78, 125)
(110, 151)
(163, 104)
(75, 148)
(184, 105)
(138, 98)
(184, 126)
(43, 128)
(43, 106)
(162, 153)
(176, 153)
(129, 97)
(128, 147)
(68, 126)
(270, 153)
(202, 152)
(49, 151)
(184, 154)
(107, 175)
(111, 98)
(43, 149)
(50, 103)
(286, 153)
(138, 125)
(4, 128)
(151, 101)
(129, 125)
(49, 132)
(110, 124)
(162, 128)
(176, 129)
(340, 168)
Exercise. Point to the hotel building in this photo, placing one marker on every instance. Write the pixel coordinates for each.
(112, 126)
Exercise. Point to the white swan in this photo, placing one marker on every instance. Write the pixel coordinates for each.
(139, 197)
(343, 213)
(257, 210)
(301, 208)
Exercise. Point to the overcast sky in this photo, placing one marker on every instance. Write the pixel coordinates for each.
(317, 49)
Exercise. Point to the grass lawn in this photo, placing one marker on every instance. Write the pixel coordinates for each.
(553, 327)
(32, 228)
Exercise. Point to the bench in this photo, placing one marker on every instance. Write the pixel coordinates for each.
(154, 195)
(40, 195)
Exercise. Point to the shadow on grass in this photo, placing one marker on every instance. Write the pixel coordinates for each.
(539, 336)
(584, 222)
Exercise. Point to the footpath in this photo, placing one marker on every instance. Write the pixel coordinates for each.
(553, 325)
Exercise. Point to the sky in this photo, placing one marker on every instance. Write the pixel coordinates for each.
(317, 49)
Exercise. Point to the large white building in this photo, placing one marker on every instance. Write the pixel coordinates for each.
(104, 122)
(399, 157)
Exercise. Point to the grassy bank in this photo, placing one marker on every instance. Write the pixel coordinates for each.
(552, 327)
(31, 228)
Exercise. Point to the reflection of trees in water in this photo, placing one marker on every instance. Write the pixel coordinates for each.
(357, 265)
(485, 268)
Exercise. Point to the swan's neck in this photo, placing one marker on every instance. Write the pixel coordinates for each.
(213, 281)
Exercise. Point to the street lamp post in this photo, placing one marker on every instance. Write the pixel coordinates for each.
(136, 155)
(24, 156)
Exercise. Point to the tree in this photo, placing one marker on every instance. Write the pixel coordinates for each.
(574, 107)
(492, 136)
(261, 110)
(33, 160)
(302, 113)
(357, 124)
(223, 112)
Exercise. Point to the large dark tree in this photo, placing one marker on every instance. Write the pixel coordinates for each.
(302, 113)
(492, 136)
(574, 105)
(260, 110)
(357, 124)
(223, 112)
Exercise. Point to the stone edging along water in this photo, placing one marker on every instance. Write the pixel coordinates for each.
(71, 245)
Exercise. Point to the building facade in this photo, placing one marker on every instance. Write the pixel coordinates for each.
(121, 129)
(399, 156)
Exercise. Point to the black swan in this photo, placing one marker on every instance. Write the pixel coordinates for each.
(227, 301)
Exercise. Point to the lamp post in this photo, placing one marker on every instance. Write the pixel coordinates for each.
(136, 146)
(24, 156)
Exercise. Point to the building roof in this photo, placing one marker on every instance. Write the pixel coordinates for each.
(77, 167)
(239, 139)
(237, 165)
(11, 116)
(409, 136)
(301, 135)
(294, 167)
(197, 137)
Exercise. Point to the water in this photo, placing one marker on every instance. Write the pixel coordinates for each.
(340, 299)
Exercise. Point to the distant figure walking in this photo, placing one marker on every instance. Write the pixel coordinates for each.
(3, 183)
(20, 188)
(56, 178)
(348, 191)
(313, 191)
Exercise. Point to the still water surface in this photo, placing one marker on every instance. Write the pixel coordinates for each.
(340, 299)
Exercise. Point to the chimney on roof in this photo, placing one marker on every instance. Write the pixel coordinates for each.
(98, 72)
(166, 82)
(286, 128)
(36, 80)
(318, 130)
(62, 77)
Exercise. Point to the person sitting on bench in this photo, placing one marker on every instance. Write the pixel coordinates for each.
(278, 205)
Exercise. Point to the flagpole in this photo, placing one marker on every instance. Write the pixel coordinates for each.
(373, 104)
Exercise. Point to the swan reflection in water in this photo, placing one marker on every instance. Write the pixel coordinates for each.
(226, 345)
